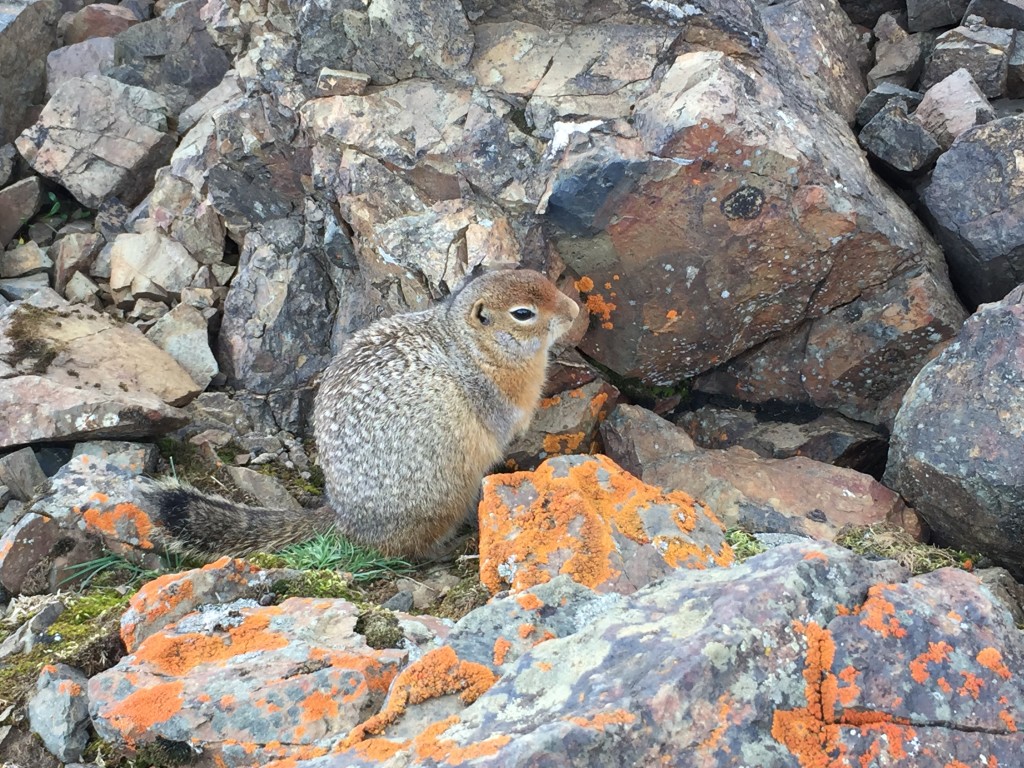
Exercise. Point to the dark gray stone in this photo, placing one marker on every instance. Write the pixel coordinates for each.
(982, 51)
(881, 95)
(8, 155)
(28, 31)
(998, 13)
(898, 141)
(21, 473)
(974, 201)
(59, 711)
(866, 12)
(18, 203)
(33, 631)
(898, 62)
(930, 14)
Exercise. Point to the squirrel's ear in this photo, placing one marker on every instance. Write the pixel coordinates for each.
(481, 314)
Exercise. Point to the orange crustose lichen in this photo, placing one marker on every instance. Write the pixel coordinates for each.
(144, 708)
(104, 522)
(589, 510)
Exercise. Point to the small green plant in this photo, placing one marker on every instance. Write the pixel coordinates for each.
(331, 552)
(110, 564)
(744, 544)
(888, 542)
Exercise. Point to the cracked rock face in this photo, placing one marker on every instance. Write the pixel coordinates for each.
(99, 138)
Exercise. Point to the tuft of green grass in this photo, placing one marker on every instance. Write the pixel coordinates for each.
(889, 542)
(743, 543)
(111, 568)
(331, 552)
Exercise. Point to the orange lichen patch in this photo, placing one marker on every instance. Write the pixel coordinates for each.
(429, 746)
(816, 556)
(139, 711)
(501, 649)
(439, 673)
(525, 630)
(992, 660)
(227, 700)
(295, 754)
(544, 666)
(584, 284)
(572, 526)
(602, 720)
(318, 706)
(955, 616)
(972, 685)
(98, 498)
(550, 402)
(559, 444)
(105, 522)
(813, 733)
(156, 598)
(944, 685)
(956, 764)
(602, 308)
(671, 315)
(379, 750)
(530, 602)
(177, 654)
(548, 635)
(597, 405)
(1007, 718)
(69, 688)
(850, 691)
(879, 614)
(936, 654)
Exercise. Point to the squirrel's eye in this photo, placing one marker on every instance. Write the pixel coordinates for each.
(522, 314)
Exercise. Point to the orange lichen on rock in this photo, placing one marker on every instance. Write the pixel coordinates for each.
(972, 685)
(812, 733)
(992, 660)
(501, 649)
(602, 720)
(526, 629)
(584, 284)
(105, 522)
(178, 654)
(438, 673)
(530, 602)
(155, 599)
(559, 444)
(1008, 720)
(141, 710)
(572, 525)
(879, 614)
(936, 654)
(429, 746)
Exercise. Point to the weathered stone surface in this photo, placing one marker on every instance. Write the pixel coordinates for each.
(952, 106)
(923, 15)
(827, 437)
(135, 458)
(982, 51)
(998, 13)
(89, 57)
(564, 423)
(59, 711)
(889, 670)
(295, 674)
(955, 447)
(900, 142)
(35, 553)
(21, 473)
(881, 95)
(27, 259)
(98, 20)
(18, 288)
(71, 255)
(65, 144)
(858, 361)
(81, 290)
(341, 82)
(173, 55)
(8, 157)
(183, 334)
(586, 517)
(18, 203)
(32, 632)
(1015, 68)
(28, 31)
(150, 265)
(513, 57)
(268, 490)
(899, 56)
(866, 12)
(974, 200)
(794, 495)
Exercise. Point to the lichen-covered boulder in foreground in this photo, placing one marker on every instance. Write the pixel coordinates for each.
(955, 452)
(587, 517)
(805, 656)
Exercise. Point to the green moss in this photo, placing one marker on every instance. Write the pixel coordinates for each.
(27, 332)
(161, 754)
(464, 597)
(380, 628)
(267, 560)
(743, 544)
(891, 543)
(315, 584)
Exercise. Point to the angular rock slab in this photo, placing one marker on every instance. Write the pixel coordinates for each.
(795, 495)
(295, 675)
(952, 106)
(974, 200)
(99, 138)
(803, 656)
(18, 203)
(586, 517)
(28, 31)
(955, 452)
(35, 553)
(59, 711)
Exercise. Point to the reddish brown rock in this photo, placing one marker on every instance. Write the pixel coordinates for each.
(28, 31)
(586, 517)
(18, 203)
(952, 106)
(565, 423)
(89, 57)
(794, 495)
(98, 20)
(983, 51)
(36, 552)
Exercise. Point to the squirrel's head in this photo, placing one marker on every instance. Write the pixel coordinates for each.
(514, 314)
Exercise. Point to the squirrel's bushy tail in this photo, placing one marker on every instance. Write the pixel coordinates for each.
(208, 525)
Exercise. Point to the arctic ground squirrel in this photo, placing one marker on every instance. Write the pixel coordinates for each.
(409, 417)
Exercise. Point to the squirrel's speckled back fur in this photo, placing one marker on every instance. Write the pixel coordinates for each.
(410, 415)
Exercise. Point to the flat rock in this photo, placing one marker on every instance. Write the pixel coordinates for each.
(565, 423)
(19, 288)
(99, 20)
(278, 681)
(268, 490)
(587, 517)
(36, 552)
(900, 142)
(898, 62)
(973, 202)
(21, 473)
(26, 259)
(882, 94)
(89, 57)
(954, 453)
(792, 658)
(923, 15)
(81, 290)
(982, 51)
(28, 31)
(136, 458)
(71, 255)
(59, 711)
(183, 333)
(793, 495)
(828, 438)
(952, 106)
(18, 203)
(64, 144)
